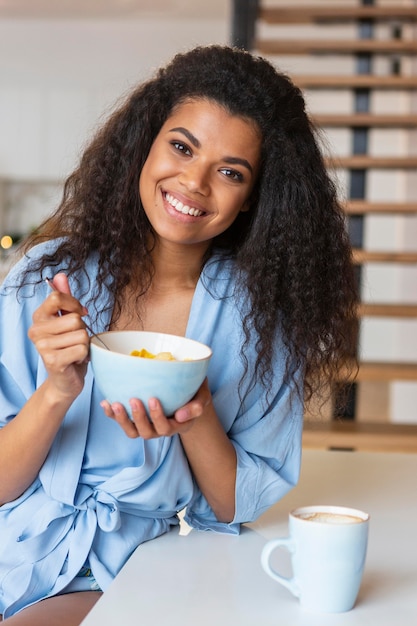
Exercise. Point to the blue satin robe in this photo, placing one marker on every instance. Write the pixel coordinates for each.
(100, 494)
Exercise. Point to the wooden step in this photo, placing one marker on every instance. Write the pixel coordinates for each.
(373, 256)
(361, 207)
(380, 371)
(388, 310)
(367, 120)
(366, 161)
(355, 81)
(352, 435)
(303, 14)
(335, 46)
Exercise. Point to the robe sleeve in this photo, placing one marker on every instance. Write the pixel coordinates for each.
(19, 361)
(268, 446)
(264, 425)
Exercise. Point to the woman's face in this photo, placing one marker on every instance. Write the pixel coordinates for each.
(199, 173)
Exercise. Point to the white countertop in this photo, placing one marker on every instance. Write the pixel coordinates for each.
(204, 578)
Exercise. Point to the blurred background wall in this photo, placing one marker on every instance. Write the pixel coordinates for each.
(63, 64)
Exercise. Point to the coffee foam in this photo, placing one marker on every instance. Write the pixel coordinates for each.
(330, 518)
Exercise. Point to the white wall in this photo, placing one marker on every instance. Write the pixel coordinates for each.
(58, 77)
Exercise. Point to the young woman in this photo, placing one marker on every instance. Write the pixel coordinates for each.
(202, 208)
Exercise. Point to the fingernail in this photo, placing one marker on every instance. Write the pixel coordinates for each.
(134, 405)
(182, 415)
(152, 404)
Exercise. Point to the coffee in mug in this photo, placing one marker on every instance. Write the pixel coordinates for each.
(331, 518)
(328, 549)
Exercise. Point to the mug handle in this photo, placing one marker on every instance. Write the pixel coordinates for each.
(285, 542)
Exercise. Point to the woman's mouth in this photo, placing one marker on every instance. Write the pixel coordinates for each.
(185, 209)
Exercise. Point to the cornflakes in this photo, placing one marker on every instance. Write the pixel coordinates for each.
(160, 356)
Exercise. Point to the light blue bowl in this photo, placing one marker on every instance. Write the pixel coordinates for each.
(120, 376)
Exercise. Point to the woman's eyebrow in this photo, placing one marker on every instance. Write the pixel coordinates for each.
(229, 159)
(190, 136)
(239, 161)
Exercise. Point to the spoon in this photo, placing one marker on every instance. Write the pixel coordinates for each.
(92, 333)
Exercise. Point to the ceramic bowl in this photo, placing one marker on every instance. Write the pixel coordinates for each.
(120, 376)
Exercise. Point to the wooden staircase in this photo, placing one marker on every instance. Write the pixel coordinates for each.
(284, 13)
(268, 46)
(399, 50)
(356, 81)
(358, 120)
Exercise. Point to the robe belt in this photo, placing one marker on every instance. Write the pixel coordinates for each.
(44, 546)
(54, 520)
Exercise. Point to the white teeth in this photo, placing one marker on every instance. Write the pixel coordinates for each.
(182, 208)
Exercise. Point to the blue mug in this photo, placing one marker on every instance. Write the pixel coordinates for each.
(328, 550)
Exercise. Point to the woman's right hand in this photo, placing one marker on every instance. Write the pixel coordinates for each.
(61, 339)
(63, 344)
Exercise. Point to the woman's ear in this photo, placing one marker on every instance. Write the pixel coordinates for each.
(245, 206)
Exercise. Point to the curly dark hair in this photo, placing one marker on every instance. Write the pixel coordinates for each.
(291, 250)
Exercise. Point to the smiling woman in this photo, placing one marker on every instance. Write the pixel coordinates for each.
(202, 208)
(199, 173)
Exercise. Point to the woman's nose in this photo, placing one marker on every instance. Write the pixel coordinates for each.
(195, 178)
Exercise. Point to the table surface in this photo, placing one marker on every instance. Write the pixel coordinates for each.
(192, 577)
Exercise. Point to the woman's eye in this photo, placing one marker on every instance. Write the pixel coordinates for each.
(233, 174)
(181, 147)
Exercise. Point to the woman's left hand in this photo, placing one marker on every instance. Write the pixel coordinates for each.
(210, 453)
(159, 425)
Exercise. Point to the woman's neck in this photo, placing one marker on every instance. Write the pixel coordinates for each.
(176, 267)
(166, 304)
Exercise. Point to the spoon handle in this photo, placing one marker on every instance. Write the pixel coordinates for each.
(92, 333)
